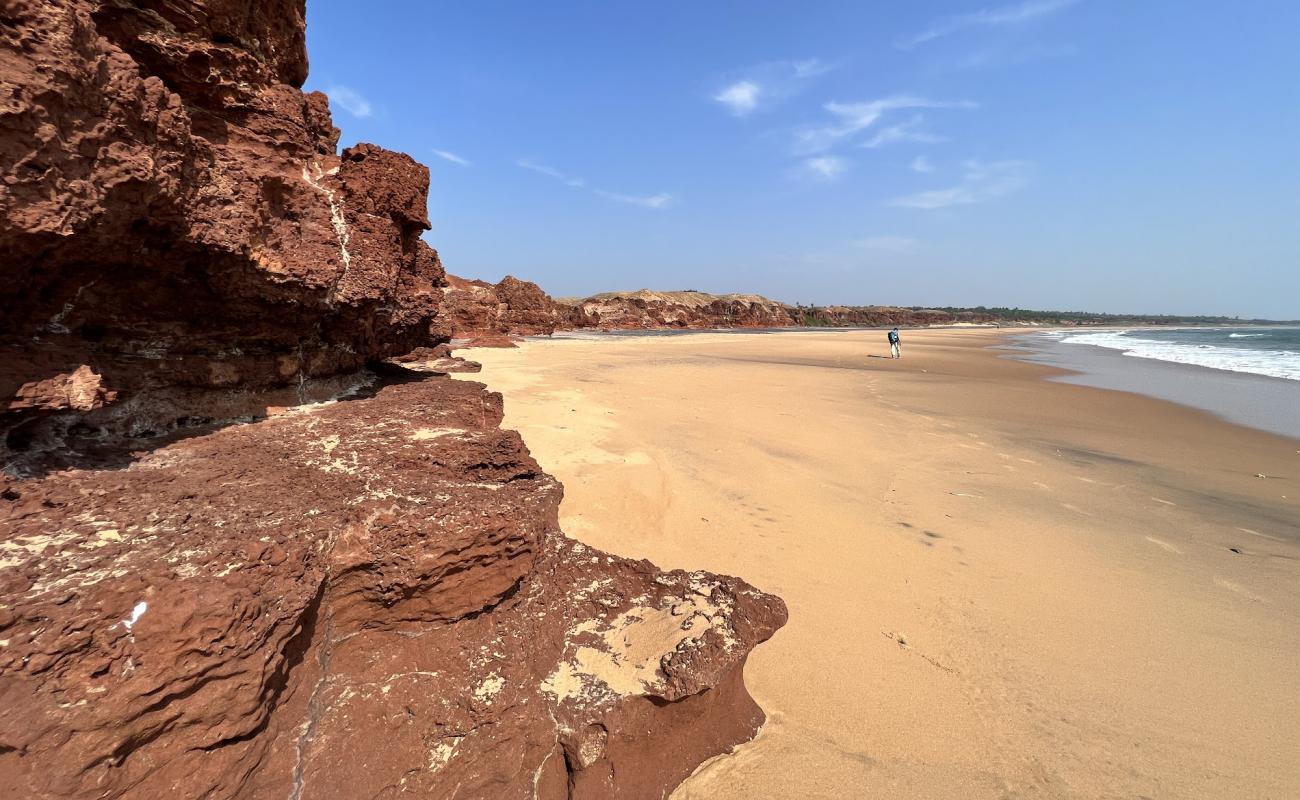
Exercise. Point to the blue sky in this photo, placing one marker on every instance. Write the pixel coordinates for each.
(1073, 154)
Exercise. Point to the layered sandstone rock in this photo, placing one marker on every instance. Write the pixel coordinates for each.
(211, 587)
(361, 599)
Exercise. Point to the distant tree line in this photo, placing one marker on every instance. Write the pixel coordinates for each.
(847, 316)
(1092, 317)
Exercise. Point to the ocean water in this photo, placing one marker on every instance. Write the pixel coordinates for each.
(1274, 352)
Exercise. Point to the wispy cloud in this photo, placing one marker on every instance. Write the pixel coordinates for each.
(986, 18)
(661, 200)
(980, 182)
(889, 244)
(854, 118)
(550, 172)
(1003, 55)
(809, 67)
(765, 85)
(825, 167)
(452, 157)
(350, 100)
(657, 201)
(908, 131)
(921, 164)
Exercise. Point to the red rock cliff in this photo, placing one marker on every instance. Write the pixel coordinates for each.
(175, 219)
(367, 596)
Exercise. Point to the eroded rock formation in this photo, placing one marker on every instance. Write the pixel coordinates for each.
(645, 309)
(363, 599)
(213, 586)
(483, 314)
(181, 241)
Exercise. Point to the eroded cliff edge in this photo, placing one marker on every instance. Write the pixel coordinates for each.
(240, 554)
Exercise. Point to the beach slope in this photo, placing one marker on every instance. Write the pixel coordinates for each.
(999, 585)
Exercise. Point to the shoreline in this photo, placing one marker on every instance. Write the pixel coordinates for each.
(998, 583)
(1262, 402)
(1272, 405)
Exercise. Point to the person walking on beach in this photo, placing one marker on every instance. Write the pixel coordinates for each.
(894, 350)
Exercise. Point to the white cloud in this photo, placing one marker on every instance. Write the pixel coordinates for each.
(350, 100)
(453, 158)
(661, 200)
(921, 164)
(903, 132)
(853, 118)
(980, 182)
(741, 97)
(764, 85)
(889, 244)
(988, 17)
(550, 172)
(827, 167)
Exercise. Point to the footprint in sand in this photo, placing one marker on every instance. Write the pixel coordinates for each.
(1261, 535)
(1238, 588)
(1164, 544)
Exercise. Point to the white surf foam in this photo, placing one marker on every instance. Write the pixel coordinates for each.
(1274, 363)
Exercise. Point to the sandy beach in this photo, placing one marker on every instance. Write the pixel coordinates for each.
(999, 586)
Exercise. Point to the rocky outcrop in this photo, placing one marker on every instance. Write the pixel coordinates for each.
(645, 309)
(435, 360)
(254, 543)
(482, 314)
(181, 241)
(361, 599)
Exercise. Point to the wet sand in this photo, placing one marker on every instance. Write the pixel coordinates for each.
(999, 586)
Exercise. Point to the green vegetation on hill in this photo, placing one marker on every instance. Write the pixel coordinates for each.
(848, 316)
(1025, 315)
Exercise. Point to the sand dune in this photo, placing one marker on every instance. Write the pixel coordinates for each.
(999, 586)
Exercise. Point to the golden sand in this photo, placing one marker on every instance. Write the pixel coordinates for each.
(999, 586)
